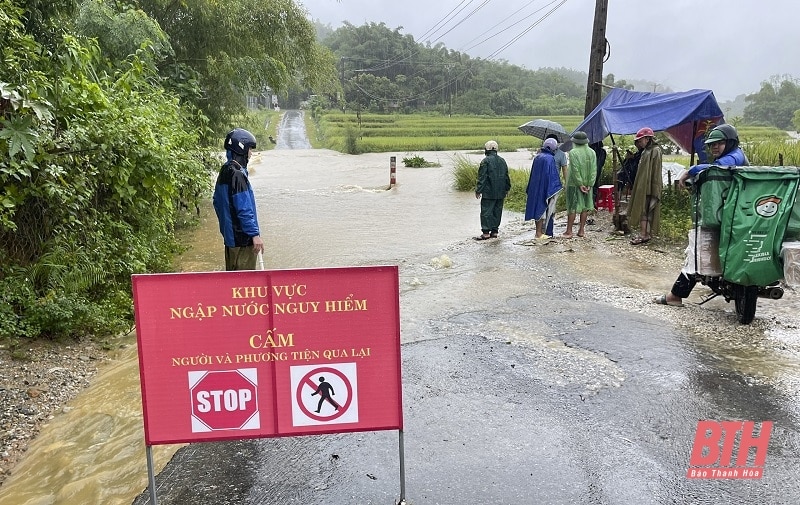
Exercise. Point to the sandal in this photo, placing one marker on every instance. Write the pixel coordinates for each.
(640, 240)
(662, 300)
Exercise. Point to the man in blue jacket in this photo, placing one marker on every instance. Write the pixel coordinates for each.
(235, 204)
(723, 141)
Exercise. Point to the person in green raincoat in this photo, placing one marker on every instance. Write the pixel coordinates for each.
(493, 185)
(581, 174)
(645, 204)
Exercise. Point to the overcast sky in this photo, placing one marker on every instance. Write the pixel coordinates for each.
(727, 46)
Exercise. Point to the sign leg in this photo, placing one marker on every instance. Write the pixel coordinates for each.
(151, 475)
(402, 471)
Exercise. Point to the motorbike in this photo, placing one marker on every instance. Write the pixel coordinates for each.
(742, 216)
(745, 298)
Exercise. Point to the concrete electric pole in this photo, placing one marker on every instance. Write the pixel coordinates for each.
(593, 86)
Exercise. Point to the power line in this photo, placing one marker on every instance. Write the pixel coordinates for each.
(444, 20)
(436, 27)
(474, 11)
(531, 27)
(493, 55)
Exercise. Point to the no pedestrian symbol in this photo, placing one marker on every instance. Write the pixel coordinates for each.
(324, 394)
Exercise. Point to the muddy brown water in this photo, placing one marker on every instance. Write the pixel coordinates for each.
(319, 208)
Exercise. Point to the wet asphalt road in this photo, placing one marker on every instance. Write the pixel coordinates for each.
(581, 421)
(543, 397)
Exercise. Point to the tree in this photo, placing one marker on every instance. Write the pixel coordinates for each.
(95, 158)
(241, 47)
(122, 33)
(774, 104)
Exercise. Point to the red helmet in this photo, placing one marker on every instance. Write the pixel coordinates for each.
(644, 132)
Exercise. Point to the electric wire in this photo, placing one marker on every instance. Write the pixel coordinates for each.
(460, 75)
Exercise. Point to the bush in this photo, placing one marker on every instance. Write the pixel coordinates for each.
(418, 161)
(351, 141)
(676, 214)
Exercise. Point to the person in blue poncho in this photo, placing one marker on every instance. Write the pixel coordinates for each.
(235, 204)
(543, 187)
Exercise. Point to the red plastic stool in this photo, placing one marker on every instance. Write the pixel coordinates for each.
(605, 197)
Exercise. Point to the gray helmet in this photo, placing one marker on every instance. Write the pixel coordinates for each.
(728, 132)
(239, 140)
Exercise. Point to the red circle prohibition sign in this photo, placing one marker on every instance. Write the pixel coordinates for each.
(307, 381)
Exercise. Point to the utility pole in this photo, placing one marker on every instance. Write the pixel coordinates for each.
(593, 86)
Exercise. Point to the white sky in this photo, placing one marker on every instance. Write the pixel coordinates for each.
(727, 46)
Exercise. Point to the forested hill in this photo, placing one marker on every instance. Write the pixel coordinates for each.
(382, 69)
(385, 70)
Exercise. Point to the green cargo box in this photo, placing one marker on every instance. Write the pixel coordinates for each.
(755, 218)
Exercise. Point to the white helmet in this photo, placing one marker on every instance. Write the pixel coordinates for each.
(491, 146)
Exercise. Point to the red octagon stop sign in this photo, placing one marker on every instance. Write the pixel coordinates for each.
(225, 400)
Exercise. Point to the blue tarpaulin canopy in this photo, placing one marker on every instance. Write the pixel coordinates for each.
(684, 117)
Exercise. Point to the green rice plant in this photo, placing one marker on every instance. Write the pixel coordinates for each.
(465, 178)
(773, 152)
(428, 132)
(465, 174)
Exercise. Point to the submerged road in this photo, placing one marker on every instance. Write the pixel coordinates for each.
(520, 386)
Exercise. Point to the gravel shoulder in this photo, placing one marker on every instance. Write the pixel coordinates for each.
(39, 387)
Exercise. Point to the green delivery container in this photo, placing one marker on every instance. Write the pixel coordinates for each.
(755, 218)
(714, 184)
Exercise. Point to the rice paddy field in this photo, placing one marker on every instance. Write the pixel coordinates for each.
(365, 133)
(418, 132)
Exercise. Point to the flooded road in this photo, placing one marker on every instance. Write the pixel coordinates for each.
(532, 373)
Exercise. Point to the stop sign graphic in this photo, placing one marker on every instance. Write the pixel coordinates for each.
(224, 400)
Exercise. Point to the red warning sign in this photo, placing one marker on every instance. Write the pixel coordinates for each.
(231, 355)
(224, 400)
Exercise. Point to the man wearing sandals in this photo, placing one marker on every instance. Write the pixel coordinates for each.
(493, 186)
(580, 179)
(645, 203)
(723, 141)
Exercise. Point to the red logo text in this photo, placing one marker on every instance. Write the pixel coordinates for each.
(729, 450)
